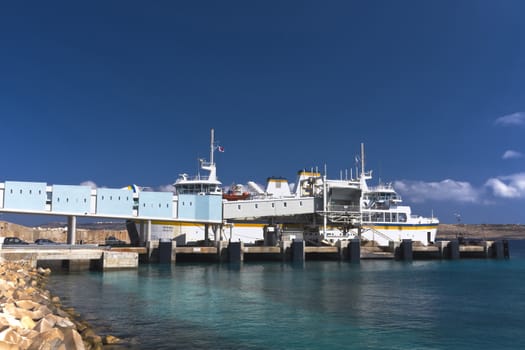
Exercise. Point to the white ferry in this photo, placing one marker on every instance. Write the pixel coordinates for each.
(318, 210)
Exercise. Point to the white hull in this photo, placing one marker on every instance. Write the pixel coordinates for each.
(250, 233)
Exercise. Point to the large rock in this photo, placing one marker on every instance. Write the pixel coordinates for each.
(30, 318)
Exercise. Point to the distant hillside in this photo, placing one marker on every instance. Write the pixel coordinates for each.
(87, 233)
(485, 231)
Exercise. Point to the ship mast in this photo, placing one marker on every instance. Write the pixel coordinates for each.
(363, 177)
(362, 159)
(212, 145)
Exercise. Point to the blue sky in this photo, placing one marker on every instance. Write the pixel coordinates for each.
(122, 92)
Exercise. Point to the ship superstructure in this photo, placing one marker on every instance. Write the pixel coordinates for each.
(318, 210)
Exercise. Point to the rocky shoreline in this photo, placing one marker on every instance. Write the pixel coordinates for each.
(31, 318)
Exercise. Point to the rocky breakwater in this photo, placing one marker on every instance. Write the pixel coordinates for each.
(31, 318)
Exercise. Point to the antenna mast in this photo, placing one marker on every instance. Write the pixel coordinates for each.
(362, 159)
(212, 146)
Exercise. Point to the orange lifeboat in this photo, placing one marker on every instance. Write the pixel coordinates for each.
(236, 193)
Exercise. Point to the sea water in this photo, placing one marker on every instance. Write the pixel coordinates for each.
(377, 304)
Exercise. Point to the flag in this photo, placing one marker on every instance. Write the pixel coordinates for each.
(220, 148)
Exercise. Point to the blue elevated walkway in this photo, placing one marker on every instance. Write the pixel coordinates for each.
(82, 201)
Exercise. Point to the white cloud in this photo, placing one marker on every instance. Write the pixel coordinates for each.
(517, 118)
(510, 154)
(89, 183)
(166, 188)
(446, 190)
(510, 186)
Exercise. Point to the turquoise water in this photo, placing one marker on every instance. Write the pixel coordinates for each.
(465, 304)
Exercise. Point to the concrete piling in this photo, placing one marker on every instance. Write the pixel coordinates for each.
(354, 251)
(453, 249)
(298, 251)
(406, 250)
(235, 252)
(498, 250)
(166, 252)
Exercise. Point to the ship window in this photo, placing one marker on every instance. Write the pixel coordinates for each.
(402, 217)
(20, 191)
(284, 204)
(273, 205)
(30, 191)
(238, 206)
(11, 191)
(256, 206)
(110, 198)
(301, 203)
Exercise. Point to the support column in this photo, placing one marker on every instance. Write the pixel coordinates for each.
(285, 250)
(148, 231)
(441, 248)
(486, 249)
(142, 233)
(71, 229)
(342, 247)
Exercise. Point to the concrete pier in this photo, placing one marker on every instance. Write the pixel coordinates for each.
(81, 257)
